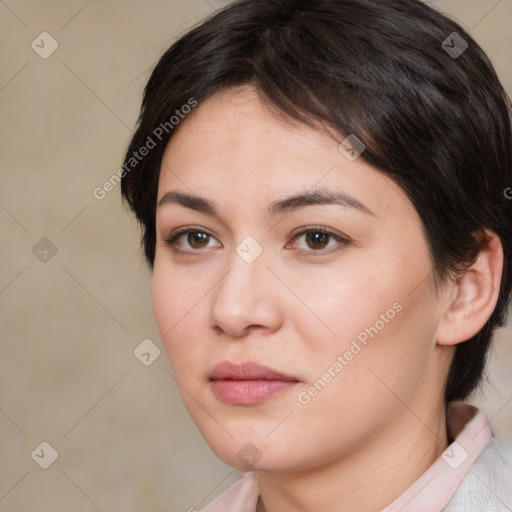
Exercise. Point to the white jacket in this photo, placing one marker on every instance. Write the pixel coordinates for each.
(488, 484)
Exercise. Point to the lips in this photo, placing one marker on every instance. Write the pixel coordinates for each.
(248, 383)
(247, 371)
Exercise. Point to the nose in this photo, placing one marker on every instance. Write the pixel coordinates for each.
(246, 299)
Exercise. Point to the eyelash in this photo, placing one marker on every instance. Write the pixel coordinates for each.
(171, 240)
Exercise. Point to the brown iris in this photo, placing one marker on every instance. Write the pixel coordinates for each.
(197, 240)
(318, 239)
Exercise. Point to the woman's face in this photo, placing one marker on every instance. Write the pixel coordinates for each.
(335, 295)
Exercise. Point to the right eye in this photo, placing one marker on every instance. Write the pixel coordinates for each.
(195, 238)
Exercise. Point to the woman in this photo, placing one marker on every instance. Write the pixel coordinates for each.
(321, 186)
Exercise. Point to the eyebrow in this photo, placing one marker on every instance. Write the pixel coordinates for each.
(316, 197)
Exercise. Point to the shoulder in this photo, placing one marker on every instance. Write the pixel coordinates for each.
(488, 484)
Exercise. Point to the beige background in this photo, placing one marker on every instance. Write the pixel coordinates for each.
(68, 375)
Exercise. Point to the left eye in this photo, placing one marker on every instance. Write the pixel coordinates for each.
(319, 239)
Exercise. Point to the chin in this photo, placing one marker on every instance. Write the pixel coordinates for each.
(254, 453)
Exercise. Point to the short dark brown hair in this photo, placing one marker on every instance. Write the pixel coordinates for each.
(396, 73)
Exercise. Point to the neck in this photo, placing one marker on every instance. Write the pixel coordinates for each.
(369, 478)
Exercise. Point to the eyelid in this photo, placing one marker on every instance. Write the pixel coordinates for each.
(320, 229)
(170, 240)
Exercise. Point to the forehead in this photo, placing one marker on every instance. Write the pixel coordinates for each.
(234, 145)
(239, 120)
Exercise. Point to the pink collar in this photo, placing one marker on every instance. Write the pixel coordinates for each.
(431, 492)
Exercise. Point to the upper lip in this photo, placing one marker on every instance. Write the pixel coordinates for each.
(247, 371)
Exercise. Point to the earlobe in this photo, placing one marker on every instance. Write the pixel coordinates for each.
(474, 295)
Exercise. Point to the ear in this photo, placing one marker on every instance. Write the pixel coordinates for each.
(473, 297)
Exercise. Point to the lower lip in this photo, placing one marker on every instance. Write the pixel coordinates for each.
(244, 392)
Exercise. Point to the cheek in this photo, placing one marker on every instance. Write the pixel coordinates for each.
(342, 303)
(376, 312)
(164, 296)
(385, 342)
(179, 309)
(175, 293)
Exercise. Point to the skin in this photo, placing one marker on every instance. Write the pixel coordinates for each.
(380, 422)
